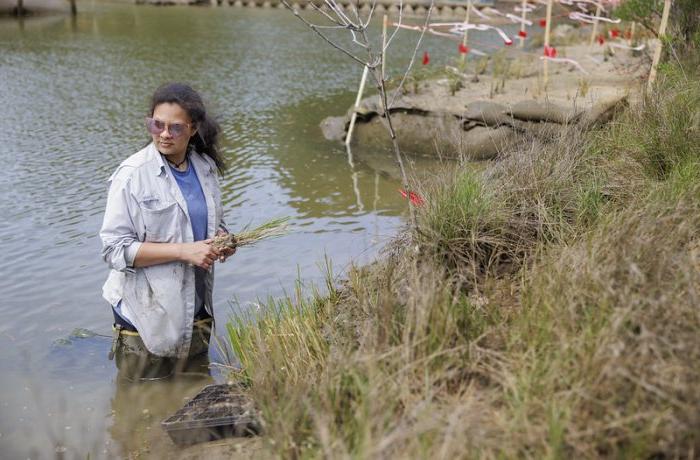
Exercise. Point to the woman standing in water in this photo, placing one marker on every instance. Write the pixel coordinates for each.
(163, 209)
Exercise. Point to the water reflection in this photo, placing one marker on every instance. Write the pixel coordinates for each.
(321, 177)
(138, 408)
(74, 95)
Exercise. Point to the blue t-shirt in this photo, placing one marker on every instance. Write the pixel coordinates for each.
(197, 208)
(194, 196)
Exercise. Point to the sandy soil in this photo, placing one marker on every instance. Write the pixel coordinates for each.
(499, 99)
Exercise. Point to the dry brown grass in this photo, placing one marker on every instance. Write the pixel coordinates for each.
(546, 308)
(619, 309)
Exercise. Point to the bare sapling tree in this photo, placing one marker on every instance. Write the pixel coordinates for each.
(369, 52)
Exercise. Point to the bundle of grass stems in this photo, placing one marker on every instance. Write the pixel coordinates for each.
(247, 237)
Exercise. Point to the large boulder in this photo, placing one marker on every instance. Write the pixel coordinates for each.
(441, 135)
(487, 113)
(478, 131)
(604, 111)
(334, 128)
(417, 134)
(481, 143)
(532, 110)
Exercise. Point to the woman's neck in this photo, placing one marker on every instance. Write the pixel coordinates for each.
(178, 161)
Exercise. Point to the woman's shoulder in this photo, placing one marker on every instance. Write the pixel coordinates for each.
(141, 161)
(204, 160)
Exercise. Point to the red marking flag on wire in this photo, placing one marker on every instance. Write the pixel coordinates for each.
(522, 34)
(550, 51)
(414, 197)
(463, 48)
(543, 23)
(426, 58)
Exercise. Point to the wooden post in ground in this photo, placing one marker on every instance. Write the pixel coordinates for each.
(547, 30)
(595, 24)
(385, 22)
(466, 31)
(353, 118)
(660, 46)
(632, 30)
(523, 15)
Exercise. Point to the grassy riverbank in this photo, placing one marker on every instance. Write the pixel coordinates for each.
(545, 307)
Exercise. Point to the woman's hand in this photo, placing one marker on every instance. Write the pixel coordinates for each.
(200, 253)
(226, 252)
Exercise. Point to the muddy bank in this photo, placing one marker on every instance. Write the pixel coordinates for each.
(476, 115)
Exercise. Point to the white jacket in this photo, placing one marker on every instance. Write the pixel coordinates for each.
(145, 204)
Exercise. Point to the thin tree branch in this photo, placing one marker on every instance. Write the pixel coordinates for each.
(341, 27)
(330, 18)
(360, 37)
(376, 74)
(369, 15)
(339, 12)
(388, 42)
(329, 41)
(334, 7)
(354, 40)
(356, 10)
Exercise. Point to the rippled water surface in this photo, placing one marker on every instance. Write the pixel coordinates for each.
(73, 96)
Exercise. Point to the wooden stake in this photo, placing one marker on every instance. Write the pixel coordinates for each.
(547, 30)
(466, 31)
(353, 118)
(634, 24)
(595, 25)
(384, 26)
(522, 24)
(659, 47)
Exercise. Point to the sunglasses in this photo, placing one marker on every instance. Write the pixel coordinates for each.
(156, 127)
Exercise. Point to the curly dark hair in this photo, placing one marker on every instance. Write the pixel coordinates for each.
(206, 140)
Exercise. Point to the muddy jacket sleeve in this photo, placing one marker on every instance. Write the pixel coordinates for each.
(118, 234)
(222, 222)
(212, 179)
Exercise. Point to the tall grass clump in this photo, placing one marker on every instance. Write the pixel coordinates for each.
(546, 307)
(663, 132)
(279, 349)
(487, 224)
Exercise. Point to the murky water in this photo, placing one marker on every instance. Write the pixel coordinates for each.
(73, 95)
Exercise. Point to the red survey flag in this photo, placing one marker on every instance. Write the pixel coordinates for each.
(426, 58)
(414, 197)
(550, 51)
(543, 23)
(522, 33)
